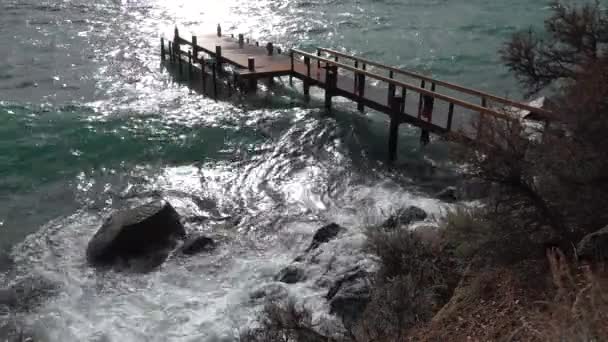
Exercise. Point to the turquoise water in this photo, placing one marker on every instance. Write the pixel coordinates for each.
(89, 120)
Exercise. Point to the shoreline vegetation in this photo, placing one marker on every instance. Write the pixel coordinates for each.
(526, 262)
(529, 262)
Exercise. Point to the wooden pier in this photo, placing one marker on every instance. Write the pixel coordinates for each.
(434, 106)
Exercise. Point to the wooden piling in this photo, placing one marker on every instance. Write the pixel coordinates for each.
(253, 82)
(170, 51)
(270, 49)
(450, 116)
(203, 74)
(360, 91)
(194, 49)
(214, 75)
(179, 60)
(307, 78)
(241, 40)
(189, 65)
(162, 48)
(331, 79)
(219, 30)
(218, 55)
(393, 135)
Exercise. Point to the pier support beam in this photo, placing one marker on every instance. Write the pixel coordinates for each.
(252, 82)
(331, 80)
(393, 136)
(360, 91)
(162, 48)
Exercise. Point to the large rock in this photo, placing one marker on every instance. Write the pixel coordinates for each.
(449, 194)
(349, 296)
(291, 275)
(141, 232)
(325, 234)
(197, 244)
(594, 247)
(404, 217)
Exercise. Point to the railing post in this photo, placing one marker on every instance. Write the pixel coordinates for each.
(331, 73)
(360, 91)
(318, 60)
(450, 116)
(393, 137)
(484, 103)
(162, 48)
(219, 30)
(292, 68)
(194, 48)
(307, 79)
(404, 99)
(422, 84)
(241, 40)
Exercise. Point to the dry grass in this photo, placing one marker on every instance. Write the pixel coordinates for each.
(580, 309)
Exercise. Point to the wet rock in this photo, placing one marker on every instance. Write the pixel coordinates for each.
(325, 234)
(349, 296)
(594, 247)
(449, 194)
(197, 244)
(270, 292)
(404, 216)
(291, 275)
(145, 232)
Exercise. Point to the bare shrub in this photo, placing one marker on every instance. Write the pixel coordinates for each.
(575, 36)
(465, 230)
(283, 321)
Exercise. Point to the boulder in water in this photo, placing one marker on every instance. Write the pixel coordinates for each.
(404, 216)
(594, 247)
(197, 244)
(325, 234)
(136, 233)
(449, 194)
(291, 275)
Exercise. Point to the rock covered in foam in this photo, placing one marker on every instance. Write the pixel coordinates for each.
(404, 216)
(140, 232)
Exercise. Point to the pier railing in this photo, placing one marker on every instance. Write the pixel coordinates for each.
(483, 97)
(426, 96)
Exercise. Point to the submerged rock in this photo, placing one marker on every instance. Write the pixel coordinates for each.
(404, 217)
(325, 234)
(449, 194)
(141, 232)
(594, 247)
(197, 244)
(291, 274)
(349, 296)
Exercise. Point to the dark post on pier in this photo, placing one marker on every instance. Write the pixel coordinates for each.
(443, 109)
